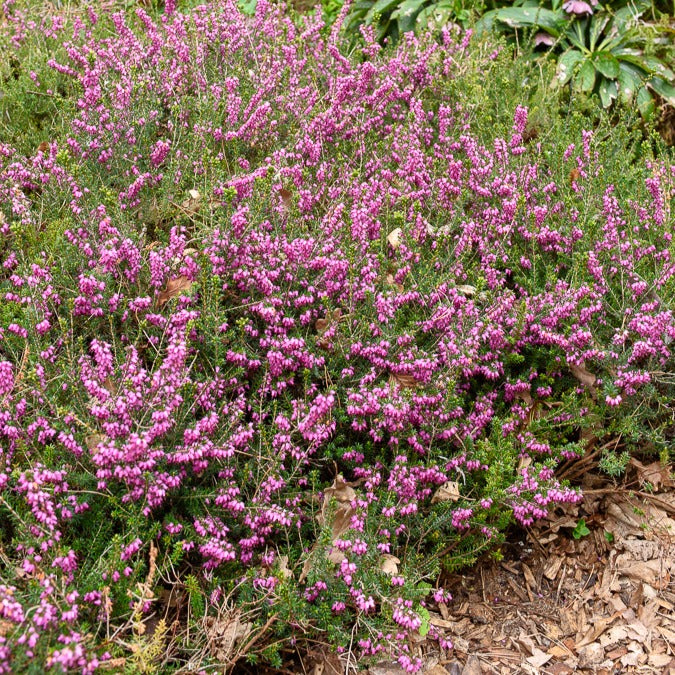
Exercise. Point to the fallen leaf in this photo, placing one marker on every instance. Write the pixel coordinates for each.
(326, 662)
(466, 289)
(283, 567)
(599, 627)
(656, 474)
(389, 564)
(223, 634)
(441, 623)
(109, 385)
(538, 658)
(322, 324)
(436, 670)
(402, 380)
(191, 205)
(116, 665)
(394, 238)
(173, 288)
(529, 578)
(584, 376)
(524, 462)
(449, 491)
(93, 441)
(341, 490)
(659, 660)
(392, 282)
(631, 659)
(286, 198)
(472, 666)
(553, 567)
(591, 655)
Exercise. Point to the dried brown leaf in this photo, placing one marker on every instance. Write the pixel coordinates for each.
(322, 324)
(600, 625)
(191, 205)
(529, 578)
(394, 238)
(584, 376)
(286, 198)
(389, 564)
(553, 567)
(173, 288)
(467, 289)
(538, 658)
(392, 282)
(283, 567)
(225, 633)
(449, 491)
(402, 380)
(326, 662)
(109, 386)
(656, 474)
(93, 441)
(341, 490)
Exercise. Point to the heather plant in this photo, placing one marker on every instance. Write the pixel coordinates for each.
(289, 331)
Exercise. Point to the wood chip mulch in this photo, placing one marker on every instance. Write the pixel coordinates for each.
(568, 599)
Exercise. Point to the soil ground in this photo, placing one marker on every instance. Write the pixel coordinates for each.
(591, 589)
(565, 598)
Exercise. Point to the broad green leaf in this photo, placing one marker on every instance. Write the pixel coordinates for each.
(362, 4)
(629, 81)
(406, 14)
(606, 64)
(522, 17)
(436, 15)
(624, 17)
(598, 23)
(381, 7)
(659, 68)
(608, 92)
(645, 103)
(663, 89)
(586, 76)
(650, 64)
(567, 63)
(484, 25)
(626, 51)
(423, 613)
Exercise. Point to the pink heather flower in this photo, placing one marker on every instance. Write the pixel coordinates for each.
(613, 400)
(542, 38)
(577, 7)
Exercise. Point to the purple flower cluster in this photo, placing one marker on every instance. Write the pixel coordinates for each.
(360, 284)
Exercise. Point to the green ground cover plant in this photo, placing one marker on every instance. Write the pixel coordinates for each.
(289, 329)
(607, 49)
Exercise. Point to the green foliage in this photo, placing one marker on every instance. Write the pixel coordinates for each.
(610, 53)
(581, 529)
(487, 85)
(392, 18)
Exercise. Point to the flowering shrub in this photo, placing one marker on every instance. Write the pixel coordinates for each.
(282, 335)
